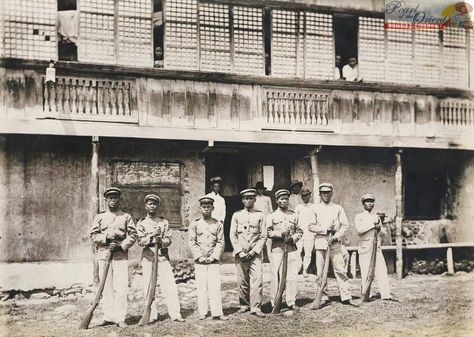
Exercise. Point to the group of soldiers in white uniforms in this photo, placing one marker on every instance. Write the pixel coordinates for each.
(306, 227)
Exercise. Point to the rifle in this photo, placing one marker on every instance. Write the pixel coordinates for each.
(151, 287)
(282, 285)
(90, 312)
(322, 280)
(371, 271)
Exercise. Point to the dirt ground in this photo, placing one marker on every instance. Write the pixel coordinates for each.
(429, 306)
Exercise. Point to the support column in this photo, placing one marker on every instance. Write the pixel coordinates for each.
(315, 171)
(94, 190)
(3, 190)
(399, 212)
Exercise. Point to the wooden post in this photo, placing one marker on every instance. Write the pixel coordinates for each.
(315, 172)
(399, 212)
(3, 187)
(94, 188)
(449, 259)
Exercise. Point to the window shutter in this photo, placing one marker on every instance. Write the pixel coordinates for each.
(181, 35)
(427, 53)
(454, 58)
(319, 46)
(399, 68)
(372, 49)
(284, 35)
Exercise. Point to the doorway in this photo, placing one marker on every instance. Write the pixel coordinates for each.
(345, 36)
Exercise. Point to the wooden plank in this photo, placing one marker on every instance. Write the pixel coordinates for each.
(94, 193)
(399, 212)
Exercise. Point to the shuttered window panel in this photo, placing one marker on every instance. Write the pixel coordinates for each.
(319, 46)
(214, 37)
(96, 41)
(454, 58)
(134, 35)
(399, 67)
(249, 56)
(284, 37)
(29, 29)
(372, 49)
(181, 35)
(471, 58)
(427, 57)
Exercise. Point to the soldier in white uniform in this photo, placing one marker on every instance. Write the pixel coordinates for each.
(206, 241)
(283, 229)
(263, 204)
(331, 218)
(114, 230)
(153, 233)
(248, 235)
(366, 223)
(219, 203)
(306, 213)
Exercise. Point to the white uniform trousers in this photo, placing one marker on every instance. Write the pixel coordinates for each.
(208, 283)
(307, 244)
(291, 276)
(168, 288)
(338, 265)
(268, 245)
(380, 272)
(114, 298)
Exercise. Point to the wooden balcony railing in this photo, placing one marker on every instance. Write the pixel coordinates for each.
(296, 109)
(457, 113)
(89, 99)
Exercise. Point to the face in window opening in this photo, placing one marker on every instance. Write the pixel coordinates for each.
(326, 196)
(216, 187)
(352, 62)
(158, 53)
(206, 209)
(151, 207)
(248, 201)
(283, 202)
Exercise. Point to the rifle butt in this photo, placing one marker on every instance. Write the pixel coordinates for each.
(86, 320)
(145, 318)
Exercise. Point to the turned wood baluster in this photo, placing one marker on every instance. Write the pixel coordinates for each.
(120, 109)
(290, 99)
(80, 96)
(67, 96)
(324, 107)
(100, 97)
(73, 95)
(126, 100)
(60, 94)
(270, 117)
(312, 110)
(280, 107)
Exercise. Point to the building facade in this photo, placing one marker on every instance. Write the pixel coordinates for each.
(159, 96)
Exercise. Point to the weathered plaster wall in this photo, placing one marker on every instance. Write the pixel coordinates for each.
(354, 172)
(47, 187)
(463, 197)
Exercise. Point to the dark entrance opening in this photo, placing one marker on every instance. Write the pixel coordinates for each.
(345, 36)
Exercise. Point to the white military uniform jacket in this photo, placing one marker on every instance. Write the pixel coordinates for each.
(248, 231)
(278, 222)
(145, 229)
(328, 214)
(206, 239)
(365, 225)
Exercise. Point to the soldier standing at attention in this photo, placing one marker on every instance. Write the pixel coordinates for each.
(248, 235)
(366, 223)
(206, 241)
(219, 203)
(295, 197)
(306, 213)
(283, 229)
(263, 204)
(114, 230)
(153, 233)
(331, 218)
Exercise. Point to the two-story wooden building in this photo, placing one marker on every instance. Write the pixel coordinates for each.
(158, 96)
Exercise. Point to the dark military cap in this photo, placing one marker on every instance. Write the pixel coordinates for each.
(153, 197)
(112, 190)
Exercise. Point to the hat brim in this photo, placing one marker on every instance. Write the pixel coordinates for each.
(326, 189)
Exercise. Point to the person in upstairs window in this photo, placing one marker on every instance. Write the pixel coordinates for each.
(350, 71)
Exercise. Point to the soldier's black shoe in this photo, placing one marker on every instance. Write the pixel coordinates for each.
(105, 323)
(349, 302)
(391, 299)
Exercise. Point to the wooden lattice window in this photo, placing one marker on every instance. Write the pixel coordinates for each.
(134, 35)
(454, 58)
(249, 55)
(181, 35)
(29, 29)
(214, 37)
(400, 67)
(427, 53)
(372, 49)
(302, 44)
(96, 31)
(471, 59)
